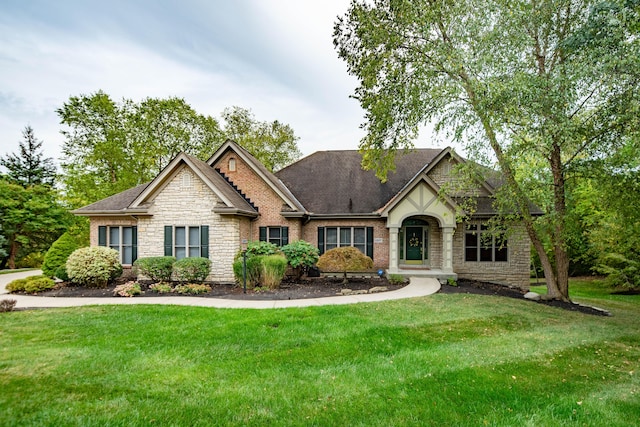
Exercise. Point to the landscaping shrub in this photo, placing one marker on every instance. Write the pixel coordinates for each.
(57, 254)
(16, 285)
(254, 271)
(273, 269)
(194, 269)
(157, 268)
(61, 273)
(7, 305)
(257, 248)
(192, 289)
(31, 285)
(301, 255)
(161, 288)
(396, 279)
(94, 267)
(128, 289)
(344, 260)
(32, 260)
(621, 272)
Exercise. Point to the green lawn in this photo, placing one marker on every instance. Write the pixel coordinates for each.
(17, 270)
(443, 360)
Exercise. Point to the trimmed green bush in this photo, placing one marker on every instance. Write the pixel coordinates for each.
(257, 248)
(58, 253)
(254, 271)
(343, 260)
(273, 270)
(193, 269)
(31, 285)
(192, 289)
(94, 267)
(157, 268)
(301, 255)
(61, 273)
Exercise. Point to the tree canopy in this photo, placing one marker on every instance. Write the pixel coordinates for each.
(112, 146)
(551, 83)
(28, 166)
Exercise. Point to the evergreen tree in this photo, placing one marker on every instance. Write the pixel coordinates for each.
(29, 167)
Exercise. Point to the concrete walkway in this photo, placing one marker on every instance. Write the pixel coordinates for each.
(418, 287)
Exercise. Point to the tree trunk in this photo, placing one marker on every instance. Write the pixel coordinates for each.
(559, 235)
(13, 252)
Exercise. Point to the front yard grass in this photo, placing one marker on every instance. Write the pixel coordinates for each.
(455, 360)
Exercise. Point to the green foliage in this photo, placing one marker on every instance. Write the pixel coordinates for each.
(7, 305)
(396, 279)
(158, 269)
(543, 87)
(192, 289)
(58, 253)
(30, 260)
(300, 254)
(128, 289)
(3, 245)
(254, 271)
(31, 285)
(192, 269)
(61, 272)
(94, 267)
(273, 144)
(161, 288)
(256, 248)
(621, 272)
(273, 269)
(31, 218)
(344, 259)
(29, 167)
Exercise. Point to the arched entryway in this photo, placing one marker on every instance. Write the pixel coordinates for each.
(414, 242)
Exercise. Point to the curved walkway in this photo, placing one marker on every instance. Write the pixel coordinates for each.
(418, 287)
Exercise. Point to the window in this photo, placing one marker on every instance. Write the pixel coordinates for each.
(122, 239)
(482, 245)
(279, 236)
(186, 241)
(232, 164)
(360, 238)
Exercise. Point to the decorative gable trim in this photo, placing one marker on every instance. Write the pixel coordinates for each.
(419, 179)
(292, 204)
(442, 157)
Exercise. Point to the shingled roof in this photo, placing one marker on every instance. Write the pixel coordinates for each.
(118, 203)
(334, 183)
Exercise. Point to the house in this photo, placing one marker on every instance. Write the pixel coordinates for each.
(212, 208)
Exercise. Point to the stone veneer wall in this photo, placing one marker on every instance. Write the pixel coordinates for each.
(260, 193)
(191, 205)
(515, 271)
(380, 232)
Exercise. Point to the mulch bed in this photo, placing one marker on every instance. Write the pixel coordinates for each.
(317, 287)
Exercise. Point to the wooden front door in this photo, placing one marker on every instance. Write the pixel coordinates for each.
(414, 245)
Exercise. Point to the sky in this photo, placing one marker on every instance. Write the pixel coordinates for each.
(274, 57)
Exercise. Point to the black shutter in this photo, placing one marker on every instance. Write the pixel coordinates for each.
(284, 236)
(263, 234)
(370, 242)
(204, 241)
(321, 240)
(102, 235)
(134, 244)
(168, 240)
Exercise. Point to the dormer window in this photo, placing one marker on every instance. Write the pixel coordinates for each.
(232, 164)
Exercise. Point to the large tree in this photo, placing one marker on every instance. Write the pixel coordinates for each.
(551, 81)
(111, 146)
(273, 143)
(29, 166)
(30, 218)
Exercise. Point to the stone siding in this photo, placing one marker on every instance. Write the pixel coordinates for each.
(178, 204)
(515, 271)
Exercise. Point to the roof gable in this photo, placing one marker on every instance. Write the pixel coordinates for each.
(289, 199)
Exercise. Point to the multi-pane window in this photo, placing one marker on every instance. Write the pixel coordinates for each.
(186, 241)
(480, 244)
(123, 239)
(360, 238)
(279, 236)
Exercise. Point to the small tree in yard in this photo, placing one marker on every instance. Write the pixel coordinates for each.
(344, 260)
(301, 256)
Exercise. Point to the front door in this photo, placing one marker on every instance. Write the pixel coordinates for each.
(414, 245)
